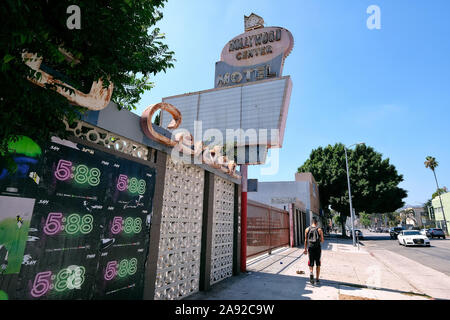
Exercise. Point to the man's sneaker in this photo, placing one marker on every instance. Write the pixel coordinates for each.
(317, 281)
(311, 278)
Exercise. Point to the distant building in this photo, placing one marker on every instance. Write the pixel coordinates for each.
(378, 220)
(414, 217)
(436, 210)
(281, 194)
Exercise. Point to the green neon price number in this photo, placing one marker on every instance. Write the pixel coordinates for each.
(122, 269)
(70, 278)
(76, 223)
(132, 184)
(81, 174)
(132, 225)
(84, 175)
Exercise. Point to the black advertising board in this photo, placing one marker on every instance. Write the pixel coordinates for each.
(124, 246)
(88, 232)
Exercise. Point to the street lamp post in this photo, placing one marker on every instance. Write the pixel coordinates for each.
(350, 192)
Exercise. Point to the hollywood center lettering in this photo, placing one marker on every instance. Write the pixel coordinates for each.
(254, 40)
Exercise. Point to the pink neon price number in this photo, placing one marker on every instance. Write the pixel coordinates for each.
(132, 184)
(129, 225)
(81, 173)
(111, 270)
(42, 283)
(68, 278)
(63, 170)
(74, 223)
(53, 223)
(122, 269)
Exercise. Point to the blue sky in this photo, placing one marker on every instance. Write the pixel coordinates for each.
(389, 88)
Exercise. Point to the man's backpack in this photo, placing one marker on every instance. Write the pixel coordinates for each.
(313, 237)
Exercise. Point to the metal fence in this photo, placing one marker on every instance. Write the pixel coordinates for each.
(267, 228)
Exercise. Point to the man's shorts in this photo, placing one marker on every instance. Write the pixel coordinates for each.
(314, 256)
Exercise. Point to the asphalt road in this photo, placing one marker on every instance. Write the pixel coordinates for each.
(437, 256)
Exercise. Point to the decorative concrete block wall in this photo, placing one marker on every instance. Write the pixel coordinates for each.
(178, 266)
(222, 233)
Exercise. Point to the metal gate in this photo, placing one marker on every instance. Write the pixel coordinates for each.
(267, 228)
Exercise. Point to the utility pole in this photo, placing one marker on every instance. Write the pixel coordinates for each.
(350, 192)
(244, 218)
(350, 196)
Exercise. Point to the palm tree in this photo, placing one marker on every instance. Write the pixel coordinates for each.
(432, 164)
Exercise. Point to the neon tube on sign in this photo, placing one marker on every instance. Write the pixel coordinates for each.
(184, 142)
(97, 99)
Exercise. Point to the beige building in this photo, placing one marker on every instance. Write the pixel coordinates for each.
(415, 216)
(439, 213)
(280, 194)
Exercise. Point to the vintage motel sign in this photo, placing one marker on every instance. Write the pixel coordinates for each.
(250, 99)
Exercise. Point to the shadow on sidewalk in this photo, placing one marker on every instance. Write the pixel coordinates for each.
(355, 285)
(267, 286)
(257, 286)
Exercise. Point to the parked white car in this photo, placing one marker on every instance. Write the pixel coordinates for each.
(412, 238)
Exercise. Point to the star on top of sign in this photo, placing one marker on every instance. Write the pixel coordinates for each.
(252, 22)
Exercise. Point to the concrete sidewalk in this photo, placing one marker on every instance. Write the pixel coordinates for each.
(347, 273)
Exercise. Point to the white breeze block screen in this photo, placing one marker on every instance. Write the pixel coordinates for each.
(222, 246)
(178, 268)
(255, 105)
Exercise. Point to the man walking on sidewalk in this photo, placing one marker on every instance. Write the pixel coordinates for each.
(313, 238)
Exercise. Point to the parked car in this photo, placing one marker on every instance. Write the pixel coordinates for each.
(393, 232)
(412, 238)
(358, 233)
(436, 233)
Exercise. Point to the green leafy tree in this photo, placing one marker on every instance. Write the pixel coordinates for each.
(364, 219)
(117, 42)
(426, 206)
(393, 218)
(374, 181)
(438, 192)
(336, 220)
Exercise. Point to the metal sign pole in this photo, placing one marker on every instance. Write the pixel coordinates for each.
(244, 219)
(350, 196)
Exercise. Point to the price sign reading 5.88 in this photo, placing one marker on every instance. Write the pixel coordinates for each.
(81, 174)
(69, 278)
(122, 269)
(132, 184)
(129, 225)
(74, 223)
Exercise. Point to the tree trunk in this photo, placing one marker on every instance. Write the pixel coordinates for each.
(342, 219)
